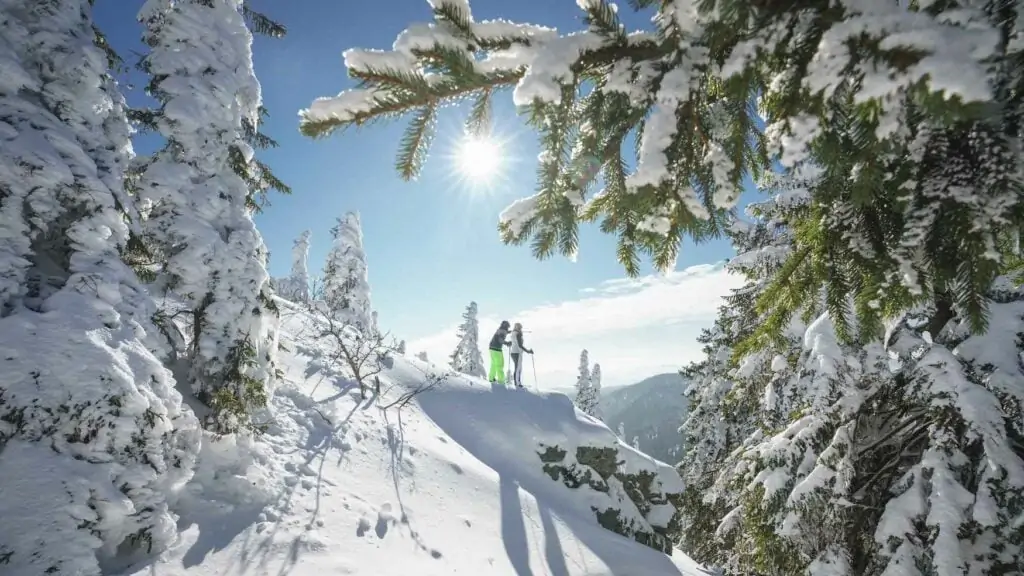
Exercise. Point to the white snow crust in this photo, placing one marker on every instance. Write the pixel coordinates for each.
(451, 484)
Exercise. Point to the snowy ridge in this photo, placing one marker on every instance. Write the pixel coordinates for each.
(451, 483)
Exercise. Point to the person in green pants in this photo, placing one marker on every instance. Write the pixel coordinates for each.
(497, 373)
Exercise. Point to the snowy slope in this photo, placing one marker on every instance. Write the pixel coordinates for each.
(450, 484)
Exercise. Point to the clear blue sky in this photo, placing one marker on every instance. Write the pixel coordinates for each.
(432, 245)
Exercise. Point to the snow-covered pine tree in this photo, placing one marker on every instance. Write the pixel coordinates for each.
(199, 219)
(725, 403)
(585, 399)
(297, 286)
(595, 386)
(346, 285)
(912, 467)
(422, 356)
(401, 347)
(841, 436)
(621, 431)
(93, 436)
(467, 357)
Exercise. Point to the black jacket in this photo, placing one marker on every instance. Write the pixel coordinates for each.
(498, 340)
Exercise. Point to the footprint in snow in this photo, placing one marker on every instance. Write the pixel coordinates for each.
(384, 516)
(456, 467)
(364, 525)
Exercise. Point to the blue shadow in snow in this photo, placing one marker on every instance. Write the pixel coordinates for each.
(501, 428)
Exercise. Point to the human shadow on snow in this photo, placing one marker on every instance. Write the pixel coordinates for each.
(513, 530)
(397, 447)
(483, 422)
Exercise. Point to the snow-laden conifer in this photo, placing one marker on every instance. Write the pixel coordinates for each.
(296, 286)
(466, 358)
(585, 398)
(346, 284)
(595, 385)
(93, 436)
(858, 411)
(199, 220)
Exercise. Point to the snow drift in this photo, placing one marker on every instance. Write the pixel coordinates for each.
(453, 482)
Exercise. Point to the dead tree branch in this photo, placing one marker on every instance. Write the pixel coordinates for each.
(365, 353)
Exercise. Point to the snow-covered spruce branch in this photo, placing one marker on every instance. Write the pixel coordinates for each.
(586, 94)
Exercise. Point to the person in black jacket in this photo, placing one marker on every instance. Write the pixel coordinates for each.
(517, 349)
(497, 373)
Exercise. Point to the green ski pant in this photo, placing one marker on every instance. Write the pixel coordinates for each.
(497, 366)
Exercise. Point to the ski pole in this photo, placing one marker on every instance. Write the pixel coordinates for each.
(533, 362)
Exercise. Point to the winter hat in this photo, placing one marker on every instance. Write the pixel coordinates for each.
(517, 327)
(504, 323)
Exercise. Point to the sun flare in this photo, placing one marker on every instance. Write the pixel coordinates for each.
(479, 158)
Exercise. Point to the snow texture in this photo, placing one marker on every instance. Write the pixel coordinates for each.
(449, 484)
(94, 441)
(519, 214)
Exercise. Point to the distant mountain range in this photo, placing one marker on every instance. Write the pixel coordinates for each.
(651, 410)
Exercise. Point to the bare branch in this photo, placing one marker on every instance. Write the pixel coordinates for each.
(365, 353)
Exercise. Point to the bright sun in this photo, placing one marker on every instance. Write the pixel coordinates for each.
(479, 158)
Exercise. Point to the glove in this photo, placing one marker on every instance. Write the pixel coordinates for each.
(530, 351)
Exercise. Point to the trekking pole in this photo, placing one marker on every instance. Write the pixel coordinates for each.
(533, 362)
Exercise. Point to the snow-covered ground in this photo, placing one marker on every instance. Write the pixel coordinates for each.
(449, 484)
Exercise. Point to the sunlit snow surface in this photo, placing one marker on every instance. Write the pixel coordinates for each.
(451, 484)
